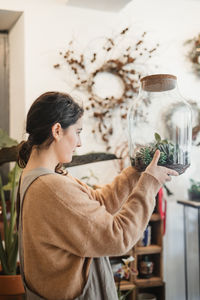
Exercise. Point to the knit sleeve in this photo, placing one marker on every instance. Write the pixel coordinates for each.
(113, 195)
(72, 221)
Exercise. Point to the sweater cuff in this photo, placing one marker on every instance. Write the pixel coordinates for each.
(148, 181)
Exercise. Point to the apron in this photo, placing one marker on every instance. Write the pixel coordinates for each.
(100, 284)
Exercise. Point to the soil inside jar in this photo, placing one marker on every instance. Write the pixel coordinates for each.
(180, 168)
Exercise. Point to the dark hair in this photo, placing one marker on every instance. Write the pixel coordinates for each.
(48, 109)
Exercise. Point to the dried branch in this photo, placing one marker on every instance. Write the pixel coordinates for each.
(10, 154)
(90, 158)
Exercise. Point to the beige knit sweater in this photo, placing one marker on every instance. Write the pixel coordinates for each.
(66, 223)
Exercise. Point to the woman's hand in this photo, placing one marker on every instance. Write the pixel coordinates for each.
(162, 174)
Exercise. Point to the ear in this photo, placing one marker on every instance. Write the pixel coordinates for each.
(57, 131)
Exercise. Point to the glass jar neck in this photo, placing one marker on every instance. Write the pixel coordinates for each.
(158, 83)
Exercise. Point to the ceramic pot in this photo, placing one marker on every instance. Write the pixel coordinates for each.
(194, 196)
(145, 296)
(11, 287)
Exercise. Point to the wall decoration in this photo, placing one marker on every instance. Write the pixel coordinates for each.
(194, 53)
(196, 125)
(122, 151)
(167, 117)
(110, 61)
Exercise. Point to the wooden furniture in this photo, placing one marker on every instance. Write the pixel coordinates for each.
(154, 251)
(191, 222)
(154, 284)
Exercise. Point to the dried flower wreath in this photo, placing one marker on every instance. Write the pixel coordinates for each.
(123, 65)
(194, 53)
(167, 117)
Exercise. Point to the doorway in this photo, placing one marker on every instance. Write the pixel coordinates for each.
(4, 92)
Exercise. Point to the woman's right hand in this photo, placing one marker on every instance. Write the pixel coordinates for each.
(162, 174)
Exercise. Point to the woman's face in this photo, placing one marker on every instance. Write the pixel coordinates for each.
(69, 140)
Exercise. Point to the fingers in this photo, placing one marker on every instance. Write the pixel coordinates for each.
(156, 157)
(169, 174)
(161, 173)
(172, 172)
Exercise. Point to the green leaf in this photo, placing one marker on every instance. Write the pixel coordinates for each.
(165, 141)
(15, 172)
(12, 259)
(4, 212)
(127, 293)
(5, 140)
(13, 212)
(157, 137)
(3, 257)
(9, 253)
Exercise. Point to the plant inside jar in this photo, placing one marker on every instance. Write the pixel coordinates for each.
(169, 155)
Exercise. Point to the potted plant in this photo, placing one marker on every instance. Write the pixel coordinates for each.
(194, 190)
(168, 155)
(10, 279)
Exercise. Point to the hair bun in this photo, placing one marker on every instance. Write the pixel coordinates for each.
(24, 153)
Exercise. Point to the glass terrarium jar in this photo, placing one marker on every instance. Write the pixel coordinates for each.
(160, 118)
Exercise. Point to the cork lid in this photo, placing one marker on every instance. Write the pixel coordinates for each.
(158, 82)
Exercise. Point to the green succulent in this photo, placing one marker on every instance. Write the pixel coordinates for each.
(166, 148)
(145, 155)
(5, 140)
(163, 159)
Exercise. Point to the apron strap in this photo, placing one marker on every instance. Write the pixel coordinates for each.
(29, 178)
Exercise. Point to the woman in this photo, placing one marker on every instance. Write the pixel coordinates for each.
(67, 229)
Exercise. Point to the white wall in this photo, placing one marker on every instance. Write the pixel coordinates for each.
(17, 79)
(49, 25)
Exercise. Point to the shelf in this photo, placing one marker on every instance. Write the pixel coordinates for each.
(147, 282)
(129, 253)
(148, 249)
(155, 217)
(195, 204)
(125, 285)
